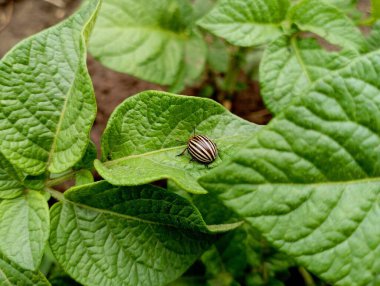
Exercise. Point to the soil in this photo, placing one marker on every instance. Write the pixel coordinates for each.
(22, 18)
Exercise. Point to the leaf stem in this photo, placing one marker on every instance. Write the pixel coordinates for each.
(60, 180)
(306, 277)
(299, 58)
(55, 194)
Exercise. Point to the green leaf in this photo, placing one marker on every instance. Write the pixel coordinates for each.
(290, 65)
(349, 7)
(11, 274)
(373, 40)
(47, 103)
(246, 22)
(142, 139)
(213, 211)
(10, 180)
(192, 65)
(330, 228)
(24, 229)
(140, 235)
(83, 177)
(238, 251)
(148, 39)
(304, 180)
(202, 7)
(58, 277)
(343, 4)
(35, 182)
(328, 22)
(87, 161)
(375, 9)
(229, 254)
(218, 55)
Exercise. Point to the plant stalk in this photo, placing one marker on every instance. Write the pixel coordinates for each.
(309, 281)
(55, 194)
(60, 180)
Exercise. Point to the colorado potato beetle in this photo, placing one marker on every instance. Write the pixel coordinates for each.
(201, 149)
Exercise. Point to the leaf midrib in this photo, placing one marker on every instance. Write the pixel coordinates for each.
(128, 217)
(80, 62)
(163, 150)
(2, 274)
(298, 56)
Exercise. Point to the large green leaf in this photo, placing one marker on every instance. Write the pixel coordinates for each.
(83, 177)
(304, 180)
(343, 4)
(10, 180)
(140, 235)
(290, 65)
(218, 56)
(375, 9)
(349, 7)
(246, 22)
(11, 274)
(47, 103)
(327, 21)
(240, 251)
(87, 161)
(192, 64)
(144, 134)
(202, 7)
(24, 229)
(148, 39)
(373, 39)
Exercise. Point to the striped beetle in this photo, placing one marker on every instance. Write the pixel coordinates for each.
(201, 149)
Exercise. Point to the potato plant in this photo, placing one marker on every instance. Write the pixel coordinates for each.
(299, 193)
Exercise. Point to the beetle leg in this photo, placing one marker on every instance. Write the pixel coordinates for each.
(183, 152)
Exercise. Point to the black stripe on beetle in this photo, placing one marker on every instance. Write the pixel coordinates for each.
(201, 149)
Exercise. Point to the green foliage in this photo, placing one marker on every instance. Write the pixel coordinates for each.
(373, 39)
(290, 65)
(306, 184)
(24, 229)
(218, 56)
(375, 9)
(146, 133)
(47, 102)
(12, 274)
(144, 234)
(241, 254)
(202, 7)
(328, 22)
(87, 161)
(246, 23)
(304, 180)
(83, 177)
(141, 37)
(10, 180)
